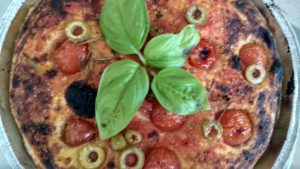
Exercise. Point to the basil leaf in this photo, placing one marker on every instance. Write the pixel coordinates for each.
(180, 92)
(169, 50)
(122, 89)
(125, 25)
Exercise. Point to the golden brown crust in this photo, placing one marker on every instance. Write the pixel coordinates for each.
(37, 86)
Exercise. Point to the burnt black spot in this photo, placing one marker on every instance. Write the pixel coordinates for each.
(57, 5)
(231, 167)
(155, 2)
(246, 8)
(263, 132)
(261, 99)
(110, 165)
(290, 86)
(28, 90)
(36, 128)
(266, 36)
(226, 98)
(235, 29)
(153, 134)
(159, 15)
(81, 98)
(16, 81)
(51, 73)
(276, 69)
(236, 62)
(248, 156)
(49, 164)
(47, 159)
(262, 112)
(223, 88)
(240, 4)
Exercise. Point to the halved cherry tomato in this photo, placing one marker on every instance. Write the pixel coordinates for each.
(203, 56)
(161, 158)
(165, 120)
(79, 131)
(253, 54)
(237, 127)
(70, 57)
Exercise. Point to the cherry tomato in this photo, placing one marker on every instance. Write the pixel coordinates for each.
(70, 57)
(203, 56)
(147, 107)
(237, 127)
(79, 131)
(165, 120)
(253, 54)
(161, 158)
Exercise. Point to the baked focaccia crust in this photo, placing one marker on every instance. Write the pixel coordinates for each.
(41, 109)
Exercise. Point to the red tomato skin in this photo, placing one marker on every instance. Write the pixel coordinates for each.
(165, 120)
(79, 131)
(197, 61)
(237, 127)
(253, 54)
(70, 57)
(161, 158)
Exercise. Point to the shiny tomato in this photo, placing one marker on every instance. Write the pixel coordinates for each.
(70, 57)
(253, 54)
(237, 127)
(79, 131)
(165, 120)
(161, 158)
(203, 56)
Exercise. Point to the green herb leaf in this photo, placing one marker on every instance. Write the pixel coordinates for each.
(122, 90)
(180, 92)
(169, 50)
(125, 25)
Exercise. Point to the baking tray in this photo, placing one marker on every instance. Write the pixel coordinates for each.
(284, 138)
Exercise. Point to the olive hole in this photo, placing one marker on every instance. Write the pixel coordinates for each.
(93, 156)
(131, 160)
(256, 73)
(77, 31)
(197, 14)
(213, 132)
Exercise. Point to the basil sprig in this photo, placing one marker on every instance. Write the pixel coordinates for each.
(169, 50)
(125, 84)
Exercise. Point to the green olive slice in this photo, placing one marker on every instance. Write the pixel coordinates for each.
(133, 151)
(196, 15)
(133, 136)
(77, 31)
(255, 74)
(118, 142)
(91, 156)
(210, 125)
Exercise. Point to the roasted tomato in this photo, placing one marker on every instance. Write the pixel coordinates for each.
(161, 158)
(165, 120)
(79, 131)
(203, 56)
(70, 57)
(237, 127)
(253, 54)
